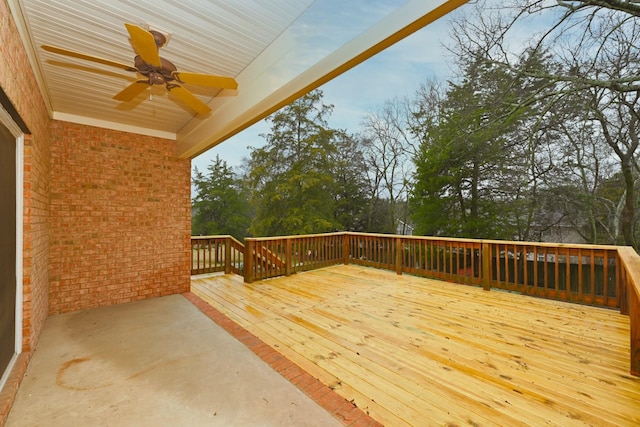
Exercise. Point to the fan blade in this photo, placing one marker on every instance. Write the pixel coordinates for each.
(79, 55)
(145, 44)
(131, 91)
(190, 99)
(206, 80)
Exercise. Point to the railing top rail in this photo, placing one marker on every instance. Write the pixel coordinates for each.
(502, 242)
(411, 237)
(630, 258)
(553, 245)
(342, 233)
(236, 241)
(443, 239)
(298, 236)
(217, 236)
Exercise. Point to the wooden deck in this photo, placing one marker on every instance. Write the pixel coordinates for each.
(414, 351)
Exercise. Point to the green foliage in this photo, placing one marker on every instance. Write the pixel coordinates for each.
(348, 170)
(302, 181)
(585, 60)
(467, 155)
(220, 204)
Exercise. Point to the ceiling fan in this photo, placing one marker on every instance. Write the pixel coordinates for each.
(156, 70)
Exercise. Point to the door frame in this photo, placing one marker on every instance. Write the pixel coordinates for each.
(9, 123)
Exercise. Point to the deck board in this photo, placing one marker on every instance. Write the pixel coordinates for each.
(414, 351)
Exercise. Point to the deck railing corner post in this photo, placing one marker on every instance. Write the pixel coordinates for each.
(624, 293)
(288, 256)
(248, 260)
(345, 248)
(399, 255)
(486, 266)
(191, 258)
(634, 333)
(227, 255)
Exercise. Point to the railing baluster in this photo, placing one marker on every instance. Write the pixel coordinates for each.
(592, 281)
(535, 270)
(545, 272)
(580, 277)
(605, 277)
(486, 266)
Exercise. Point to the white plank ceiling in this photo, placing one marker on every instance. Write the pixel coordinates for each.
(250, 40)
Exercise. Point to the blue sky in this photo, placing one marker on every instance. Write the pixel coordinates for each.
(395, 72)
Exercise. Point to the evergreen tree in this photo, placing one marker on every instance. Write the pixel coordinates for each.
(220, 204)
(300, 180)
(470, 168)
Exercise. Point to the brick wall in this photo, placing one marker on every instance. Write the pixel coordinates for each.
(36, 228)
(119, 225)
(120, 215)
(19, 84)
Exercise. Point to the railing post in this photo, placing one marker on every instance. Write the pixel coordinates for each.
(227, 255)
(486, 266)
(627, 267)
(191, 258)
(345, 248)
(398, 255)
(248, 260)
(634, 332)
(287, 257)
(622, 278)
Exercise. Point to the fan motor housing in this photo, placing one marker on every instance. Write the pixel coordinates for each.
(156, 75)
(159, 38)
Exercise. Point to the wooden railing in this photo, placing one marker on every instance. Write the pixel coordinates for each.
(579, 273)
(211, 254)
(278, 256)
(630, 278)
(457, 260)
(607, 276)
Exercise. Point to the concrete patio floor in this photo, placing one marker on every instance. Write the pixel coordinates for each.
(155, 362)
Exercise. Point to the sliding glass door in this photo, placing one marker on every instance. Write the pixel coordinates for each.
(8, 283)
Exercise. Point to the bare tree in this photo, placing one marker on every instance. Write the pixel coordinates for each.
(389, 149)
(595, 46)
